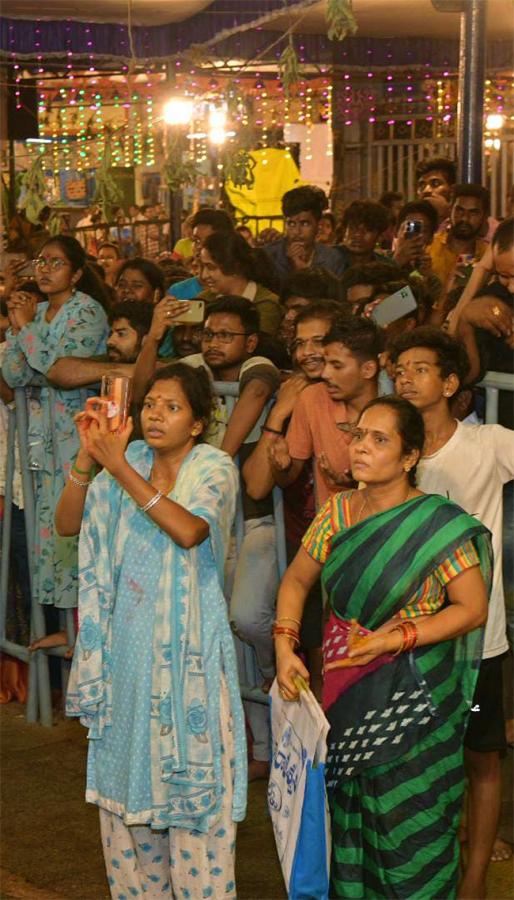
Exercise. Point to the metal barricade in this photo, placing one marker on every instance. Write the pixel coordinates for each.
(248, 674)
(39, 704)
(493, 383)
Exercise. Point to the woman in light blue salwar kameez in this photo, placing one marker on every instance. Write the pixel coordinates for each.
(154, 675)
(69, 323)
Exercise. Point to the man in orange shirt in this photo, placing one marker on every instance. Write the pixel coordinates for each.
(460, 246)
(350, 380)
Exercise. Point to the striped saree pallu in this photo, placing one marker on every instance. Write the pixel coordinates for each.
(394, 765)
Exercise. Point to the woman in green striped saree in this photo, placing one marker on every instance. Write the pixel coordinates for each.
(407, 578)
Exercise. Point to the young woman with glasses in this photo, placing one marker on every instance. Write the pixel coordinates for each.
(70, 322)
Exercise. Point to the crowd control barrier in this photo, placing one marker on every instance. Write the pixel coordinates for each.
(39, 705)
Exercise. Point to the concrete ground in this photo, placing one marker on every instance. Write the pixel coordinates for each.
(50, 839)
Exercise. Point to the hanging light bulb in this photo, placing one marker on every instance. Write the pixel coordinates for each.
(217, 135)
(217, 116)
(494, 122)
(178, 111)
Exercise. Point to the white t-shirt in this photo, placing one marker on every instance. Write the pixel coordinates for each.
(471, 470)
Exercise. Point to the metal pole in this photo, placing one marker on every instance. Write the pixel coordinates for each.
(471, 90)
(6, 527)
(37, 616)
(12, 180)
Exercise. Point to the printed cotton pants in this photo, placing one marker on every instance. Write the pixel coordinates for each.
(174, 863)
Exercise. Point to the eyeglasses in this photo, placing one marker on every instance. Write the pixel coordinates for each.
(53, 262)
(224, 337)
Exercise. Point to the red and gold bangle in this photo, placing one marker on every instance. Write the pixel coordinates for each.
(286, 632)
(409, 636)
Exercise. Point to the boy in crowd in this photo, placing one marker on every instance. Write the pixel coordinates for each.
(436, 177)
(350, 379)
(363, 223)
(469, 464)
(302, 208)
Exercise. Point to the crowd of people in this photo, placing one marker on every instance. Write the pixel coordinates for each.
(357, 341)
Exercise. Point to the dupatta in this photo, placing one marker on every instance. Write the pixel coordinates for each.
(373, 569)
(192, 644)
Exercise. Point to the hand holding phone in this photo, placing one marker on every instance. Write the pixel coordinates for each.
(117, 390)
(413, 228)
(193, 315)
(394, 307)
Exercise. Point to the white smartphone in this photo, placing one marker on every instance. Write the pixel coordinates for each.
(192, 316)
(394, 307)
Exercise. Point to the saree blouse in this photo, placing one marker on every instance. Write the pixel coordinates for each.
(335, 515)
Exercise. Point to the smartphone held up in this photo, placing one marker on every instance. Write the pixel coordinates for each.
(413, 228)
(117, 389)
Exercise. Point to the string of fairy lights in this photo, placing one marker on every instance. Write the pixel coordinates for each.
(81, 106)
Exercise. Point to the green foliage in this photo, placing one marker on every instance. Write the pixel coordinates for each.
(179, 171)
(289, 67)
(33, 188)
(238, 166)
(5, 199)
(340, 19)
(107, 192)
(55, 221)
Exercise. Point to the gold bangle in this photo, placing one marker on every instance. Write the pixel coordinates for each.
(288, 619)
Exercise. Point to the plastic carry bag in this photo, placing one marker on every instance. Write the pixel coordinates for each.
(297, 798)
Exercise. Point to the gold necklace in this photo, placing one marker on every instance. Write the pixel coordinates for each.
(361, 510)
(364, 505)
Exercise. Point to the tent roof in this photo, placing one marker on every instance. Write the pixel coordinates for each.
(376, 18)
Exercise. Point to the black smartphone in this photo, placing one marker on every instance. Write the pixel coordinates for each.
(412, 228)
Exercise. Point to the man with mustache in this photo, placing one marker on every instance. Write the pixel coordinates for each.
(460, 246)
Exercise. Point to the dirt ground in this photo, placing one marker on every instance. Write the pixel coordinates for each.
(50, 837)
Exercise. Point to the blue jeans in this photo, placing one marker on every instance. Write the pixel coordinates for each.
(251, 586)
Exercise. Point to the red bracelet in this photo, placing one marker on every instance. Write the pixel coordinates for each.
(287, 632)
(409, 636)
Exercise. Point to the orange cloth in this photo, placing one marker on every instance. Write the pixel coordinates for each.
(14, 679)
(313, 429)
